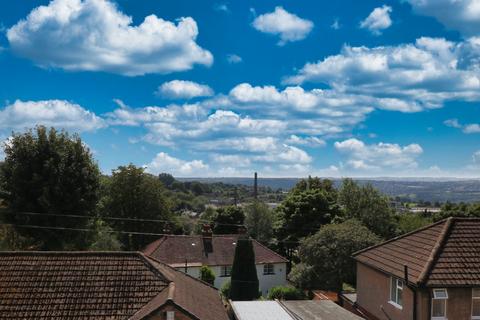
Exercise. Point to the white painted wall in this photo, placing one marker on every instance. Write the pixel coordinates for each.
(265, 281)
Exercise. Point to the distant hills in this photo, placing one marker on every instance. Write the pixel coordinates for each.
(413, 189)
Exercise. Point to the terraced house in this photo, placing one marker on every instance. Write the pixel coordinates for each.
(101, 285)
(431, 273)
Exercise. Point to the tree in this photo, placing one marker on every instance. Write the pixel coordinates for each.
(102, 238)
(325, 258)
(227, 220)
(244, 280)
(309, 205)
(408, 222)
(369, 206)
(167, 179)
(259, 221)
(134, 194)
(49, 172)
(207, 275)
(458, 210)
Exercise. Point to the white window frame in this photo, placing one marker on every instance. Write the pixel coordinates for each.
(225, 271)
(170, 315)
(475, 296)
(398, 283)
(436, 295)
(267, 270)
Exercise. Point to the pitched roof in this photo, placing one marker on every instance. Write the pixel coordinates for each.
(175, 250)
(95, 285)
(446, 253)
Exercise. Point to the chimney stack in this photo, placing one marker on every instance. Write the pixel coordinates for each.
(207, 237)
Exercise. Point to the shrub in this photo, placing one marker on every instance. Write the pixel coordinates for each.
(225, 290)
(207, 275)
(285, 293)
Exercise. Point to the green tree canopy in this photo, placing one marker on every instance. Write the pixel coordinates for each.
(46, 171)
(311, 204)
(325, 258)
(458, 210)
(227, 220)
(134, 194)
(259, 220)
(369, 206)
(207, 275)
(244, 280)
(102, 237)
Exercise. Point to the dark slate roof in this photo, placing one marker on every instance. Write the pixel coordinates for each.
(93, 285)
(446, 253)
(175, 250)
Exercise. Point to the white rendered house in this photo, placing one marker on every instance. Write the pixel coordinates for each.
(190, 253)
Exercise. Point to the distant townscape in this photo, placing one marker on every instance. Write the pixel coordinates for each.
(78, 244)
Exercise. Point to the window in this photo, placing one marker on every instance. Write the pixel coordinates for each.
(396, 292)
(268, 269)
(476, 303)
(439, 304)
(170, 315)
(226, 271)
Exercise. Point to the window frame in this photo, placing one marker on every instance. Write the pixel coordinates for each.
(225, 271)
(475, 317)
(399, 285)
(444, 298)
(268, 271)
(170, 315)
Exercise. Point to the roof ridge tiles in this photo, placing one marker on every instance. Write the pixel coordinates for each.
(436, 250)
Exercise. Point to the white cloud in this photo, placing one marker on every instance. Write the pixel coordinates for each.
(93, 35)
(407, 78)
(284, 24)
(221, 7)
(476, 157)
(378, 20)
(336, 24)
(178, 167)
(181, 89)
(56, 113)
(466, 128)
(461, 15)
(234, 59)
(378, 157)
(305, 141)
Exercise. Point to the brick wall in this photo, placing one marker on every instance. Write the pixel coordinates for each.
(373, 292)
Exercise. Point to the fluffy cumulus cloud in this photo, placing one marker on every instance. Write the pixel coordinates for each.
(378, 157)
(58, 113)
(181, 89)
(378, 20)
(466, 128)
(461, 15)
(289, 27)
(408, 77)
(305, 141)
(163, 162)
(94, 35)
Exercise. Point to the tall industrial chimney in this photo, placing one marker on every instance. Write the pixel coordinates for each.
(255, 187)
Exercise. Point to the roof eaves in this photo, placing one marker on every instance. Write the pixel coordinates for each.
(435, 251)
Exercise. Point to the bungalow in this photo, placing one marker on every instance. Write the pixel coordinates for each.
(190, 253)
(101, 285)
(431, 273)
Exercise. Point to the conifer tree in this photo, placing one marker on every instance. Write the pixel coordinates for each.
(244, 283)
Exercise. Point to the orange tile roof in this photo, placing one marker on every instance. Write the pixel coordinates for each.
(97, 285)
(446, 253)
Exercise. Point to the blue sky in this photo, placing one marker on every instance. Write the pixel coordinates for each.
(285, 88)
